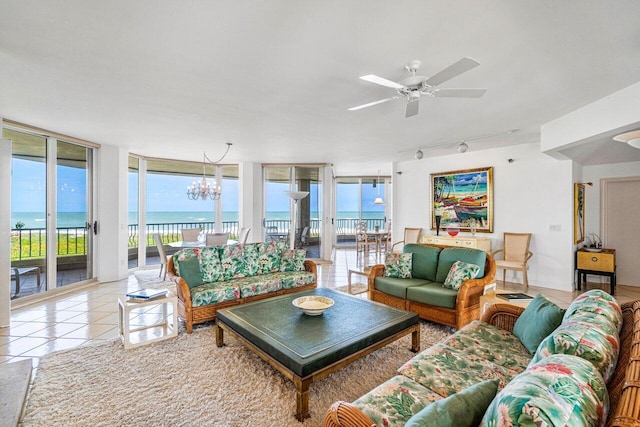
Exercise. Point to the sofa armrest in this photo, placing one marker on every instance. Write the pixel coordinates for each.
(182, 289)
(503, 316)
(376, 271)
(471, 290)
(311, 267)
(343, 414)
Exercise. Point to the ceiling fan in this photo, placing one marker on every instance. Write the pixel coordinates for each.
(413, 86)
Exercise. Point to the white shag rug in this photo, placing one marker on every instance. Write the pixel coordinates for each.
(188, 381)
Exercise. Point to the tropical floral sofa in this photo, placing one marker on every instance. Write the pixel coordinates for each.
(584, 372)
(211, 278)
(418, 280)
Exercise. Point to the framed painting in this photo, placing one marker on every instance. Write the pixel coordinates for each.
(463, 199)
(578, 213)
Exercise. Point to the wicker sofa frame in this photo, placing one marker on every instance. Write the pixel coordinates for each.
(623, 388)
(467, 302)
(194, 315)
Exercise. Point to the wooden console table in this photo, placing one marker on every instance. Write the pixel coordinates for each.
(599, 263)
(482, 243)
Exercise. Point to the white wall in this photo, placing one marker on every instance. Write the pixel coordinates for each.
(5, 231)
(111, 241)
(532, 194)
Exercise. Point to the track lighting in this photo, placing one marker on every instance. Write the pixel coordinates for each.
(419, 154)
(463, 147)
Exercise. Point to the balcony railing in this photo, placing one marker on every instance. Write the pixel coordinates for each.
(30, 243)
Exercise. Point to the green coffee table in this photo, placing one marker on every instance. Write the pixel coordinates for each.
(307, 348)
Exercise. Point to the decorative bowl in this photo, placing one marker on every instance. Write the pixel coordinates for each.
(453, 231)
(313, 305)
(593, 249)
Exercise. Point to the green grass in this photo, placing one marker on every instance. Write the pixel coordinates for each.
(35, 247)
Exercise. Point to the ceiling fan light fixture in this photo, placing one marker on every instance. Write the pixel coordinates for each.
(463, 147)
(419, 154)
(632, 138)
(635, 142)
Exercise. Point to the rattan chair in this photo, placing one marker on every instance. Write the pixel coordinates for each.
(190, 234)
(217, 239)
(516, 255)
(411, 235)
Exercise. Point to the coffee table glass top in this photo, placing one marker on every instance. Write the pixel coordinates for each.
(307, 343)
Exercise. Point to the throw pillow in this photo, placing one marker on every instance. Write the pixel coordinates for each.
(268, 258)
(190, 271)
(459, 272)
(537, 321)
(398, 265)
(293, 260)
(465, 408)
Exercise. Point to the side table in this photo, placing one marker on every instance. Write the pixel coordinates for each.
(166, 328)
(492, 298)
(601, 263)
(364, 272)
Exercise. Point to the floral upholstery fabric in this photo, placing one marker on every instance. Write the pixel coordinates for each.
(586, 340)
(447, 370)
(598, 306)
(210, 265)
(398, 265)
(239, 261)
(460, 271)
(211, 293)
(293, 260)
(294, 279)
(182, 255)
(257, 285)
(395, 401)
(561, 390)
(482, 340)
(268, 258)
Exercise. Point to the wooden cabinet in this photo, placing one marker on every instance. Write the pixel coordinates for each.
(598, 263)
(482, 243)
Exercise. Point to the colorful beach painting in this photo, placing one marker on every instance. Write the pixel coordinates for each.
(463, 199)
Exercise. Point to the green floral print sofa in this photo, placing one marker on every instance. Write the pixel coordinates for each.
(585, 372)
(208, 279)
(416, 280)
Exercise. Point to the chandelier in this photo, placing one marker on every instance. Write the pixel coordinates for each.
(204, 190)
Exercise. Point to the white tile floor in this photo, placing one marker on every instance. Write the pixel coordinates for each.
(91, 314)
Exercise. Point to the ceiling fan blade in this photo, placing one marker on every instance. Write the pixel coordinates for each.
(359, 107)
(459, 93)
(412, 108)
(465, 64)
(380, 81)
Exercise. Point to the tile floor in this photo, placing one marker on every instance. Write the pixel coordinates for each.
(91, 314)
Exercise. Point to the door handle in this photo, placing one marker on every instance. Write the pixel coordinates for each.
(95, 227)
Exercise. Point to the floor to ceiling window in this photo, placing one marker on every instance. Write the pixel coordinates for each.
(281, 212)
(355, 198)
(50, 247)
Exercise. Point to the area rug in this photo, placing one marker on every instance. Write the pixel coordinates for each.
(188, 381)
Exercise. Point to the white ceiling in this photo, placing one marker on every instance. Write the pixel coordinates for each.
(275, 78)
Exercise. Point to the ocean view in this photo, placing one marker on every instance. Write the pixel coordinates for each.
(77, 219)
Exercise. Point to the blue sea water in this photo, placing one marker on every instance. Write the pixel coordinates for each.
(78, 219)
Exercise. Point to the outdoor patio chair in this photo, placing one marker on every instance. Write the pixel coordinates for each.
(243, 235)
(162, 253)
(190, 234)
(217, 239)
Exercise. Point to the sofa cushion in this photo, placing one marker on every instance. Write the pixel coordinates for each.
(210, 264)
(447, 370)
(598, 306)
(425, 261)
(294, 279)
(450, 255)
(211, 293)
(397, 287)
(190, 272)
(239, 261)
(398, 265)
(433, 294)
(480, 340)
(537, 321)
(293, 260)
(463, 409)
(269, 256)
(561, 390)
(258, 285)
(459, 272)
(393, 402)
(589, 341)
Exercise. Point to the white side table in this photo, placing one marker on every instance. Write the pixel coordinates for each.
(166, 328)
